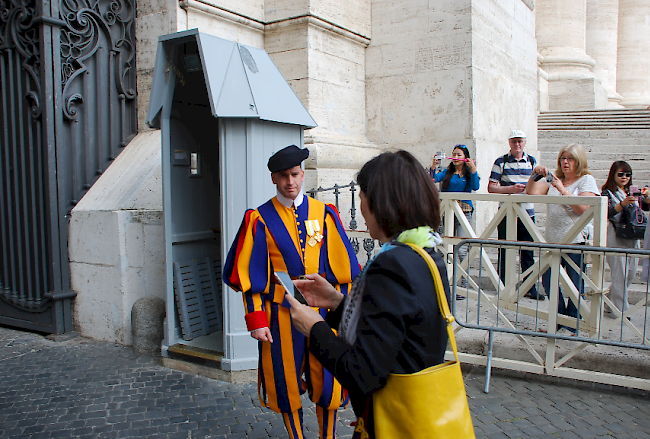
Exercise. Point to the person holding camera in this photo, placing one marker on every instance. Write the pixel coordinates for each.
(460, 176)
(621, 195)
(571, 178)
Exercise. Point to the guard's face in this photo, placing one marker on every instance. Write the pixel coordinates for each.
(289, 181)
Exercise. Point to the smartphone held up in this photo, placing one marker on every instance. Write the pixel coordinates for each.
(285, 280)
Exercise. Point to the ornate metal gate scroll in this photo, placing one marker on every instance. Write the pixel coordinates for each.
(67, 107)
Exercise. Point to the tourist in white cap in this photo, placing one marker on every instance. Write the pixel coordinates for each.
(509, 175)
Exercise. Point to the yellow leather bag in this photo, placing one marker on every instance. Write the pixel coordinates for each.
(428, 404)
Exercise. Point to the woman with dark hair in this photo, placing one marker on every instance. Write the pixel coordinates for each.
(617, 191)
(390, 321)
(459, 176)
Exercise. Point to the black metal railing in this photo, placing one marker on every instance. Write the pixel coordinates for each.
(357, 238)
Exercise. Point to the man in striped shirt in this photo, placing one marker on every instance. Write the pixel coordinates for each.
(509, 175)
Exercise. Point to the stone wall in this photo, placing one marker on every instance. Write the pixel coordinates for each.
(418, 72)
(116, 242)
(452, 72)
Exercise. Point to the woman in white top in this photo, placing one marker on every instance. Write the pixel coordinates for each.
(572, 177)
(619, 198)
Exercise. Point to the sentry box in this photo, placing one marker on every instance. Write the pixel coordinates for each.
(223, 109)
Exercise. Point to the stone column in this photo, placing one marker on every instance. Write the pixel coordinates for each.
(602, 39)
(439, 73)
(320, 48)
(633, 77)
(561, 40)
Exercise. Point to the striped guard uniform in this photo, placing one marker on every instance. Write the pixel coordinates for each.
(274, 237)
(509, 171)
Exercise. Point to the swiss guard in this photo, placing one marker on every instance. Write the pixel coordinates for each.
(299, 235)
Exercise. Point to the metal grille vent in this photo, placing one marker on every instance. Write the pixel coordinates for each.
(197, 288)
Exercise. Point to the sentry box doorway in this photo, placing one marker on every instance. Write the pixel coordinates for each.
(223, 109)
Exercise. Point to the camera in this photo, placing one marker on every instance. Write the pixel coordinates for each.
(538, 177)
(634, 190)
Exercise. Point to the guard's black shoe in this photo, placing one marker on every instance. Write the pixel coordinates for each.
(459, 297)
(535, 296)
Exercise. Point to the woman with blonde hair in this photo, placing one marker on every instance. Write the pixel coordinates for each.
(572, 177)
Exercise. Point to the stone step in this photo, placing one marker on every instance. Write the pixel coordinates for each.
(615, 112)
(631, 135)
(612, 145)
(585, 125)
(613, 148)
(596, 119)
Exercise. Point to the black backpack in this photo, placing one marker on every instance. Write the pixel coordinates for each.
(632, 223)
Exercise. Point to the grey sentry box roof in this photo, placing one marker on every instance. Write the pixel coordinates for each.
(223, 109)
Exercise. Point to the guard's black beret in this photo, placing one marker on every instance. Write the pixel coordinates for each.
(287, 158)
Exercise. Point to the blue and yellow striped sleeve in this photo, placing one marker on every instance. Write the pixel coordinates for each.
(247, 268)
(338, 259)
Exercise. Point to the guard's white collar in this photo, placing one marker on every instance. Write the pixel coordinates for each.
(288, 202)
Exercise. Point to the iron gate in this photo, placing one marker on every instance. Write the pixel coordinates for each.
(67, 107)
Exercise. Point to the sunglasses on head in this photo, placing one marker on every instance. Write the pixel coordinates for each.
(624, 174)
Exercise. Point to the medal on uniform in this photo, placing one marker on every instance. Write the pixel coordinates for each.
(317, 236)
(313, 231)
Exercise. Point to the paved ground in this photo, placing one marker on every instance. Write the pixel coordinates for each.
(83, 388)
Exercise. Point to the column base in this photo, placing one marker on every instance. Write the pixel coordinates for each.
(577, 94)
(642, 102)
(614, 100)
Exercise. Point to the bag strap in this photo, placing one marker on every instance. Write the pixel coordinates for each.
(503, 165)
(440, 291)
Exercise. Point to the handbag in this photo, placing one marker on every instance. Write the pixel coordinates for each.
(428, 404)
(632, 222)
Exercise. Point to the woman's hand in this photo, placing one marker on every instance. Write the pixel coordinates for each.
(302, 316)
(319, 292)
(472, 165)
(435, 163)
(628, 201)
(536, 187)
(540, 170)
(557, 184)
(645, 191)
